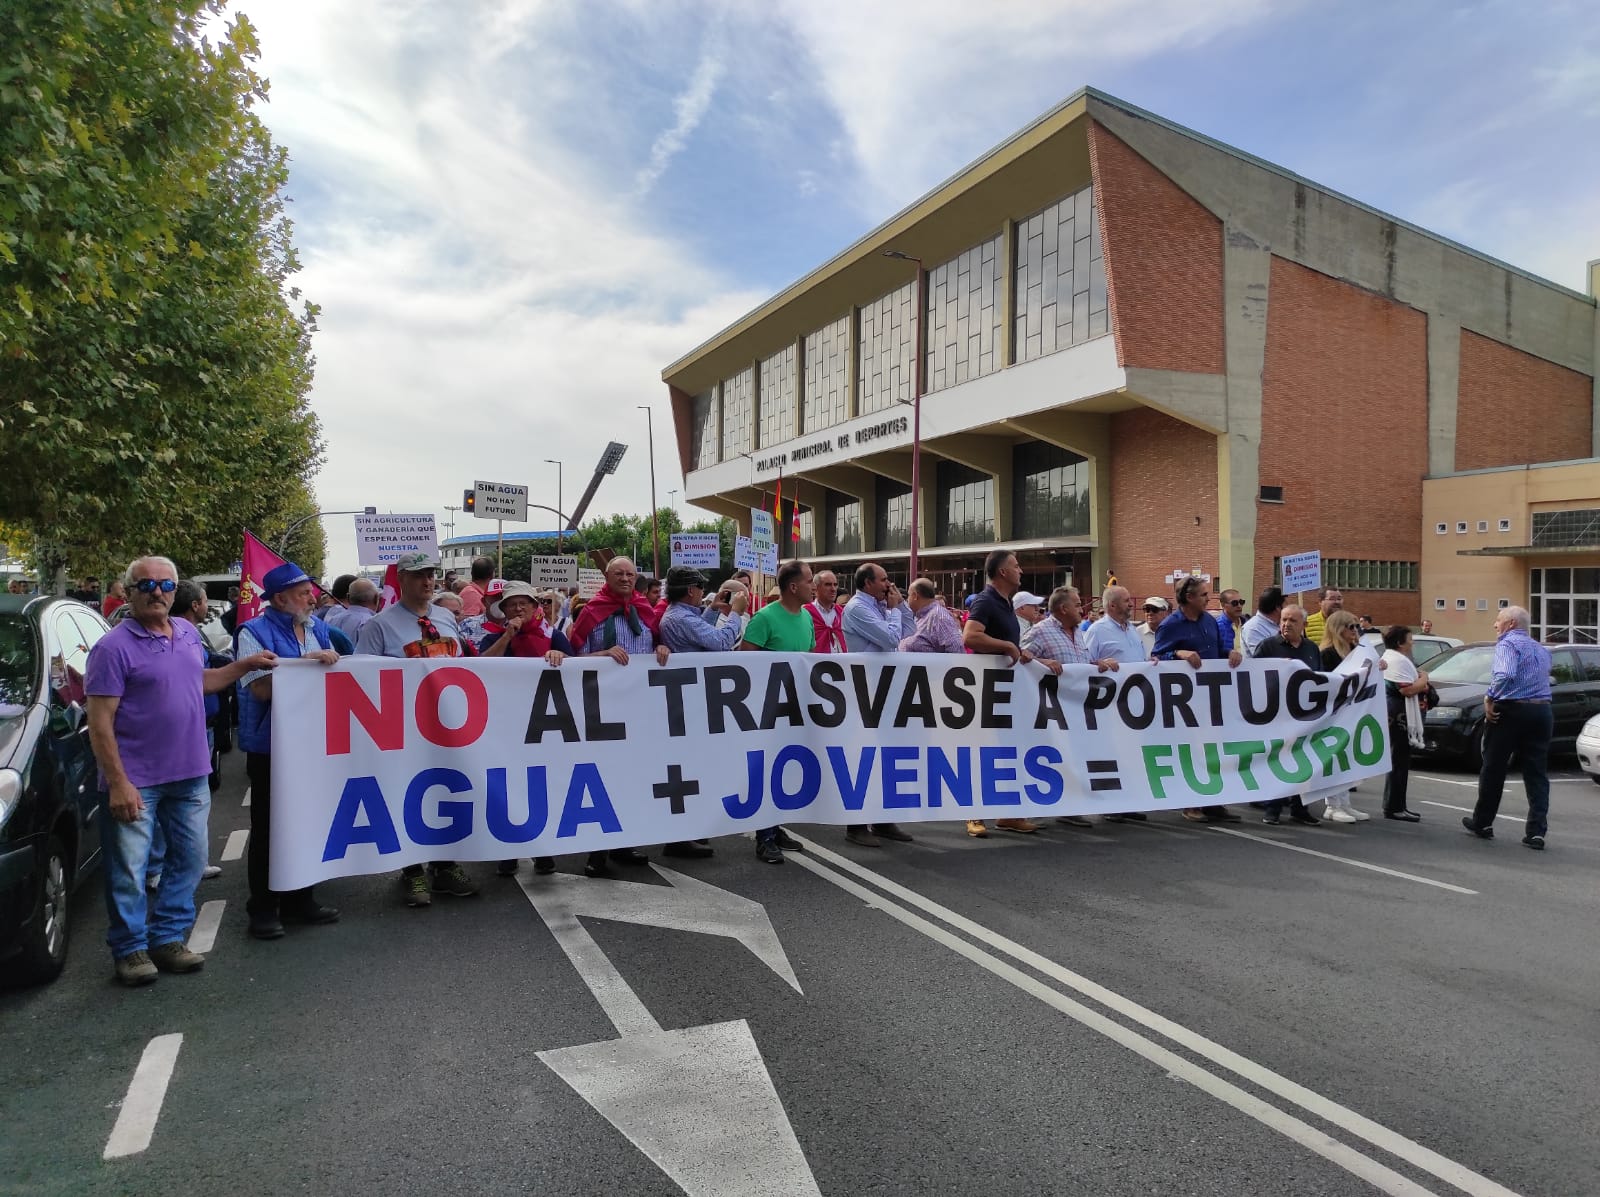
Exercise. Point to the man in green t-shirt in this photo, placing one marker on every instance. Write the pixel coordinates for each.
(783, 627)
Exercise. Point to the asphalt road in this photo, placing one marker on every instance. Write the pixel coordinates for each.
(1156, 1008)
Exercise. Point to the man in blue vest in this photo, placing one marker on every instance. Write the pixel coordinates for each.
(286, 627)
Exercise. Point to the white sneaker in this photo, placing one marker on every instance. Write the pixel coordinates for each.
(1361, 815)
(1340, 814)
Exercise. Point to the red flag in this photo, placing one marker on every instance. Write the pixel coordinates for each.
(391, 586)
(254, 564)
(777, 506)
(794, 530)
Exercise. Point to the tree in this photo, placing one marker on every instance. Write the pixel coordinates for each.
(153, 395)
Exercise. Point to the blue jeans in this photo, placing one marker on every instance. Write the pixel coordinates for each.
(181, 810)
(158, 840)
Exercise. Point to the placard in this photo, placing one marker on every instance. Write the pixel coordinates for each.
(384, 539)
(697, 550)
(761, 535)
(548, 572)
(590, 582)
(1302, 571)
(500, 501)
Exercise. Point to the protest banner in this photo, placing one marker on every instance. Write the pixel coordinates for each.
(697, 550)
(382, 539)
(590, 582)
(494, 758)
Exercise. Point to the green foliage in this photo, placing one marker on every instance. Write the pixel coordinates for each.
(622, 534)
(154, 380)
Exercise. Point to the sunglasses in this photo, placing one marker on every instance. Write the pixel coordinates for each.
(151, 585)
(1152, 609)
(1235, 602)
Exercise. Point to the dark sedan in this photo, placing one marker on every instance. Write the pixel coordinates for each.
(49, 804)
(1454, 729)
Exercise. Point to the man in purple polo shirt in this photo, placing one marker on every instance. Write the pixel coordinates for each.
(146, 683)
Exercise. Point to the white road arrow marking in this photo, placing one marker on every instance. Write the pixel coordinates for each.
(698, 1101)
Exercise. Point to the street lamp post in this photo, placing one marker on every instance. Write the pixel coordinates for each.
(560, 529)
(655, 537)
(920, 375)
(283, 542)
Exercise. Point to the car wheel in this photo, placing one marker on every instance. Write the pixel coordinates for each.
(44, 947)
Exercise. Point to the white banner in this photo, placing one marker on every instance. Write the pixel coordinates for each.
(381, 539)
(697, 550)
(390, 762)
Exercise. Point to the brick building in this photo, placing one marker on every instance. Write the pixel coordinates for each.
(1140, 350)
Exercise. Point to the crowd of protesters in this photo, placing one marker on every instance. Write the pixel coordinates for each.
(149, 682)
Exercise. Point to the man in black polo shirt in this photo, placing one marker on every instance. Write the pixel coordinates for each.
(993, 627)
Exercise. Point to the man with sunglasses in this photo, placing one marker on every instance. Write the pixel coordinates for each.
(412, 628)
(287, 628)
(1230, 620)
(146, 682)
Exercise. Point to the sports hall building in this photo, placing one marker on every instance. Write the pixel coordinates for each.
(1145, 352)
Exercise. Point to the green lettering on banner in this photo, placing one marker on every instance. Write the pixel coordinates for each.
(1330, 745)
(1211, 786)
(1246, 751)
(1374, 752)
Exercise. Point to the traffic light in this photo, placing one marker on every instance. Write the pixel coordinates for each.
(469, 500)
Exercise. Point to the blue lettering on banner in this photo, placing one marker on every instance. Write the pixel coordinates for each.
(361, 796)
(899, 770)
(994, 772)
(810, 778)
(575, 811)
(957, 780)
(459, 814)
(1040, 762)
(497, 815)
(755, 785)
(852, 790)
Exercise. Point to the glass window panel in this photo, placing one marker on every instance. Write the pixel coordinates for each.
(778, 397)
(893, 515)
(886, 350)
(737, 408)
(1050, 491)
(1050, 276)
(827, 376)
(705, 432)
(966, 505)
(1558, 581)
(844, 524)
(1586, 581)
(963, 317)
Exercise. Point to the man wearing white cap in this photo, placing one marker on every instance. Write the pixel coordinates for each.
(414, 627)
(1028, 606)
(1156, 609)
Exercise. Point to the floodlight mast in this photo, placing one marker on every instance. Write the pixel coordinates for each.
(609, 460)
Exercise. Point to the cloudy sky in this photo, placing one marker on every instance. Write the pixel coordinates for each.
(514, 213)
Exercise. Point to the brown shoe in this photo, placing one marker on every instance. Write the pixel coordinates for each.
(176, 958)
(976, 829)
(862, 836)
(1195, 815)
(1023, 826)
(135, 969)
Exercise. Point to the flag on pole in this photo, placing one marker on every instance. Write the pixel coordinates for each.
(777, 505)
(253, 566)
(391, 586)
(794, 530)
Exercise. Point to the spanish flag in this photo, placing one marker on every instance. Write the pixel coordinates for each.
(794, 529)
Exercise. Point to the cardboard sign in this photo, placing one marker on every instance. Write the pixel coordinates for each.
(590, 582)
(697, 550)
(549, 572)
(500, 501)
(383, 539)
(1302, 571)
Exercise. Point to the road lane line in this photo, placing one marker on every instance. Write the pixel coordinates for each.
(246, 796)
(1467, 810)
(204, 936)
(141, 1107)
(1378, 1175)
(1360, 864)
(234, 848)
(1324, 1108)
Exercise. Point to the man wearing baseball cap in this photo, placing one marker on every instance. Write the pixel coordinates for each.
(1156, 609)
(1028, 606)
(287, 628)
(413, 628)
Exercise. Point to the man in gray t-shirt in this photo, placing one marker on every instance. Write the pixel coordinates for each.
(414, 628)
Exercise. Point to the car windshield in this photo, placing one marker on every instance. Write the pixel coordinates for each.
(19, 665)
(1475, 664)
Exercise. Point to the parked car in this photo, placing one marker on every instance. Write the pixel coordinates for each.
(1454, 729)
(1589, 749)
(50, 810)
(1424, 646)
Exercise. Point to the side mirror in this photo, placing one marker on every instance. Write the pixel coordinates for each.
(66, 720)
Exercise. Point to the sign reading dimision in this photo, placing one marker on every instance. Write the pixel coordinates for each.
(500, 501)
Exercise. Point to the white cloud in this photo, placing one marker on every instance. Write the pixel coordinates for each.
(923, 86)
(690, 109)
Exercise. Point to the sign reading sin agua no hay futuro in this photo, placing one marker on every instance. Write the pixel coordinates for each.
(494, 758)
